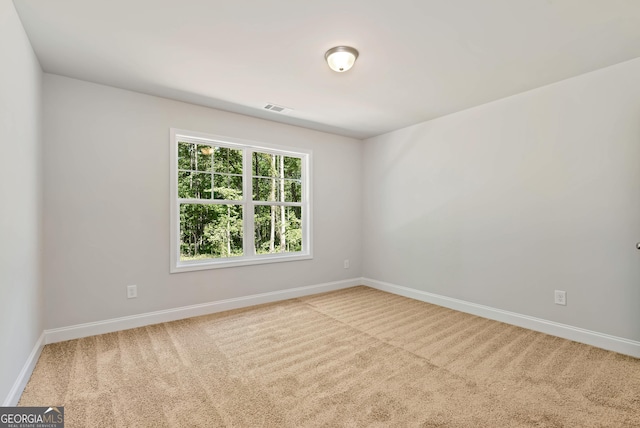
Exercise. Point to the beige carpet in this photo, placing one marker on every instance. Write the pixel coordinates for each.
(350, 358)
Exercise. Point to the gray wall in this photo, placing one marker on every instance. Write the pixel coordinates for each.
(107, 204)
(502, 204)
(20, 196)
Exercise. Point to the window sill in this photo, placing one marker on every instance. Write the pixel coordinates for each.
(237, 262)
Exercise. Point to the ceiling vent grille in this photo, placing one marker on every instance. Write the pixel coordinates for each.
(276, 108)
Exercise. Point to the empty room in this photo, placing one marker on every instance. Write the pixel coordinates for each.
(303, 213)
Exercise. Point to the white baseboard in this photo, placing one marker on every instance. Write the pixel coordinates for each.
(133, 321)
(600, 340)
(18, 386)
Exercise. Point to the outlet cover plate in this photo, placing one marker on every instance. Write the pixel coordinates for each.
(132, 291)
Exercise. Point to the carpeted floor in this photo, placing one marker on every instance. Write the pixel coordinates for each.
(349, 358)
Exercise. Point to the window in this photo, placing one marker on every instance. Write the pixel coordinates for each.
(236, 203)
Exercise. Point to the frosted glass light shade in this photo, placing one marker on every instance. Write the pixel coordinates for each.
(341, 58)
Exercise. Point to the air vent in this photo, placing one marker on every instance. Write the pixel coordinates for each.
(276, 108)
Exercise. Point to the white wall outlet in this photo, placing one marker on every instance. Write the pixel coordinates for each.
(346, 264)
(561, 297)
(132, 291)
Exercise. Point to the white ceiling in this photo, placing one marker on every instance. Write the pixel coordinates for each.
(419, 59)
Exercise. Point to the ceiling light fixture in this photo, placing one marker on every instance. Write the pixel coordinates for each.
(341, 58)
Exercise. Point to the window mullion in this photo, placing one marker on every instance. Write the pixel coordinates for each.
(248, 215)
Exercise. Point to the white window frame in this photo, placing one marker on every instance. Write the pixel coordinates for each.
(248, 205)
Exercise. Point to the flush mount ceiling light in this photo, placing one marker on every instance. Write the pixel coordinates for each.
(341, 58)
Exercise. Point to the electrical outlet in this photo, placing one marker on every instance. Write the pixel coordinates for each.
(132, 291)
(560, 297)
(346, 264)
